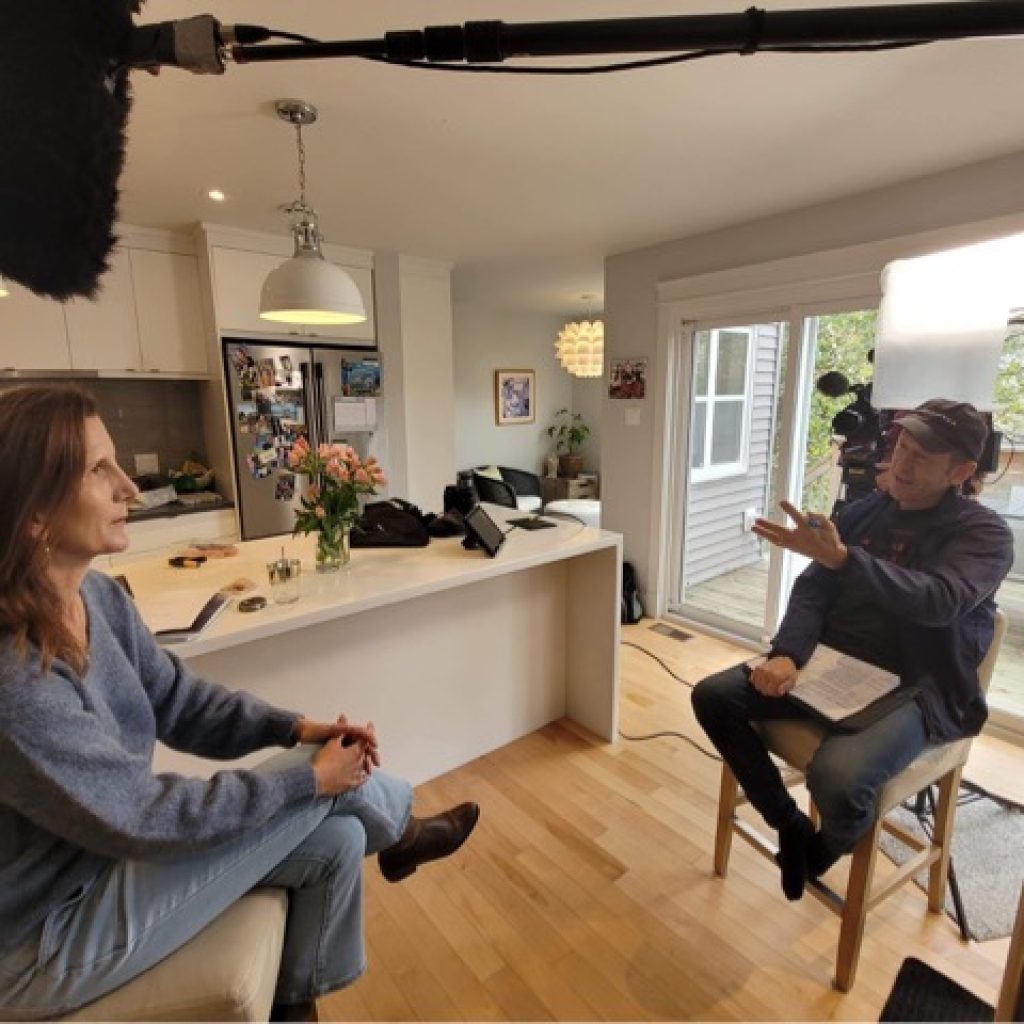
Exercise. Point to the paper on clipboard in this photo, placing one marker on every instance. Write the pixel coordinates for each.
(838, 685)
(354, 414)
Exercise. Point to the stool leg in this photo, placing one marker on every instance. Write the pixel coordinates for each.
(945, 815)
(726, 812)
(855, 909)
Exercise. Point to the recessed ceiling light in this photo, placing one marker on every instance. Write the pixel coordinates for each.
(216, 195)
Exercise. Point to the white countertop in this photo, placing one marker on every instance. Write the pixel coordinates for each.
(169, 597)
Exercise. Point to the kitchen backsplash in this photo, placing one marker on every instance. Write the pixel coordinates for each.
(146, 416)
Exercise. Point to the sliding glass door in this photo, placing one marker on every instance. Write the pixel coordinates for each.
(750, 430)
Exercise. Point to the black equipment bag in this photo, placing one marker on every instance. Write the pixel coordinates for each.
(632, 609)
(391, 524)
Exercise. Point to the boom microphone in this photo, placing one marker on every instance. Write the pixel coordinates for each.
(63, 105)
(64, 102)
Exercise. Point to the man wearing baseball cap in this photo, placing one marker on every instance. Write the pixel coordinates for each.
(904, 579)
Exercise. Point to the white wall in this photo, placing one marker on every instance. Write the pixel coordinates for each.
(958, 200)
(488, 339)
(587, 396)
(416, 344)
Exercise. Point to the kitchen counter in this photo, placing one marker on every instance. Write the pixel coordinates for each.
(449, 652)
(175, 508)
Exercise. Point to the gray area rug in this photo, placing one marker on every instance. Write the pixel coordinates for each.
(988, 855)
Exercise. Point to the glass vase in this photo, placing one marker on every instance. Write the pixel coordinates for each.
(333, 549)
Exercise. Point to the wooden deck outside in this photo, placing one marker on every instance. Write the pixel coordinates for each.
(740, 595)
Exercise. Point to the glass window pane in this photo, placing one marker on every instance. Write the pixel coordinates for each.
(698, 434)
(727, 433)
(731, 373)
(701, 353)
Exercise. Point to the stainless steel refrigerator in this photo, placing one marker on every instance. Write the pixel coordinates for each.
(278, 392)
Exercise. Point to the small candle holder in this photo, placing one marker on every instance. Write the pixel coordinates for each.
(284, 575)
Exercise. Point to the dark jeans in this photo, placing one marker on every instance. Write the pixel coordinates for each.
(845, 774)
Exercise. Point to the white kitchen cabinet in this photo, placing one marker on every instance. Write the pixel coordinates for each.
(169, 312)
(32, 332)
(172, 533)
(103, 333)
(238, 277)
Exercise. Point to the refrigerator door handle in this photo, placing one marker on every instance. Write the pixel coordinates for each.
(321, 403)
(308, 405)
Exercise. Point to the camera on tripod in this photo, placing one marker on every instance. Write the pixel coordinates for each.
(863, 429)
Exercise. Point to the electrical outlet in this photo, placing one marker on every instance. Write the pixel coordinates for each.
(146, 462)
(749, 515)
(632, 416)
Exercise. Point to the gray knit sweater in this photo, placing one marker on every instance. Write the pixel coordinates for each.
(77, 790)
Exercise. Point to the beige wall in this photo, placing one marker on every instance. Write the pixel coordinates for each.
(957, 200)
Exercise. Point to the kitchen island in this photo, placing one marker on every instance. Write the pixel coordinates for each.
(449, 652)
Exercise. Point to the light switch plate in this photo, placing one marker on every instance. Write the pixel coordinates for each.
(146, 462)
(632, 417)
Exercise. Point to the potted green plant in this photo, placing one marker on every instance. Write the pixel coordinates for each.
(569, 432)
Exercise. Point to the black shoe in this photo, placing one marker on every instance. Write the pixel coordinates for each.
(819, 857)
(792, 855)
(294, 1011)
(428, 839)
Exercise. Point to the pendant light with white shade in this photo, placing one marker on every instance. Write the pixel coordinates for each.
(580, 346)
(307, 289)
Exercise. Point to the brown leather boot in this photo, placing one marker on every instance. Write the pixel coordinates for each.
(427, 839)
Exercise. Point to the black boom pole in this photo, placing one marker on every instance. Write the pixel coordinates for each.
(750, 31)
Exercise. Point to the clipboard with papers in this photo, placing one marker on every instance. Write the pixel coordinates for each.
(845, 692)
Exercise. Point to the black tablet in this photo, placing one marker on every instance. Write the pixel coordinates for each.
(207, 614)
(531, 523)
(484, 530)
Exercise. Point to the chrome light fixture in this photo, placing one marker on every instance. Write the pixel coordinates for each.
(580, 346)
(307, 289)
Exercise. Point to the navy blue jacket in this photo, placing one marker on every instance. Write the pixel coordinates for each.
(942, 600)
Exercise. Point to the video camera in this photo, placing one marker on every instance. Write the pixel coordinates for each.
(864, 430)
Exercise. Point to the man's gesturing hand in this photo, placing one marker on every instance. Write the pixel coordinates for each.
(813, 536)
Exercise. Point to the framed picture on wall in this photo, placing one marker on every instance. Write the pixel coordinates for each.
(627, 378)
(515, 397)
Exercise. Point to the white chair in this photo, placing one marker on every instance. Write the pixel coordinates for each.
(227, 972)
(795, 742)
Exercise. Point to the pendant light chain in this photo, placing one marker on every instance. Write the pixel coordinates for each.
(301, 146)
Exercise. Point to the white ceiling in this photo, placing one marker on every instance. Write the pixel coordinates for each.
(526, 183)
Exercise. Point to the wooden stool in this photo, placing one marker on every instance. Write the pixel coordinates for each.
(794, 742)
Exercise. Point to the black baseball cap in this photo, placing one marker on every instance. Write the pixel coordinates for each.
(942, 425)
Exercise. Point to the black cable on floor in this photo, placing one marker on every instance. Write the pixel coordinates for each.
(666, 732)
(669, 732)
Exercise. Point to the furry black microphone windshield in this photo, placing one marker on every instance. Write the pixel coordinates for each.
(63, 109)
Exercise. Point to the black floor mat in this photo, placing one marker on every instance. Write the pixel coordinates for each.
(921, 993)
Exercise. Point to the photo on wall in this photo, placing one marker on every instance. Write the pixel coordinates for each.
(515, 397)
(627, 378)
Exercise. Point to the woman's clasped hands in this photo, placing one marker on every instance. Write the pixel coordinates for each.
(347, 756)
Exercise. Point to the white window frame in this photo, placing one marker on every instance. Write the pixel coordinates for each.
(724, 470)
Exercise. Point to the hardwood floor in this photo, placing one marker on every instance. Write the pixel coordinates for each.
(586, 892)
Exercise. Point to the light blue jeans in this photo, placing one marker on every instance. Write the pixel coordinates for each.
(138, 912)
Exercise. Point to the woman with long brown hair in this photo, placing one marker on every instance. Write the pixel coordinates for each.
(105, 866)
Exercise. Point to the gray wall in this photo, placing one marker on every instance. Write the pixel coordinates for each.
(956, 197)
(486, 340)
(161, 416)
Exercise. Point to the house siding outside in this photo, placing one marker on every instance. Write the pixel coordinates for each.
(715, 540)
